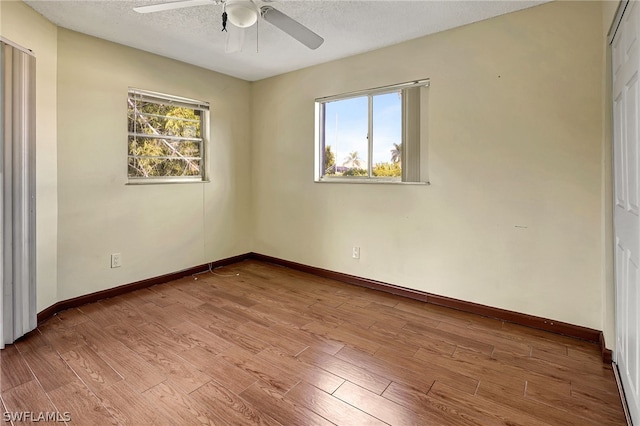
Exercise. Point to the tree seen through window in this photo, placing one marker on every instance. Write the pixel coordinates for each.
(165, 139)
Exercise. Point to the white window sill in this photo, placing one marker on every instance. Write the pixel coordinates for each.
(374, 181)
(160, 181)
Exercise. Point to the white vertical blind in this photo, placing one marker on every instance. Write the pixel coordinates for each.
(411, 134)
(17, 193)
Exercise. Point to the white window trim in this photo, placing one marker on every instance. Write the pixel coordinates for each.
(421, 158)
(375, 91)
(365, 180)
(166, 99)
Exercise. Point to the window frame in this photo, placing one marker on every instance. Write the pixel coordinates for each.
(134, 95)
(319, 172)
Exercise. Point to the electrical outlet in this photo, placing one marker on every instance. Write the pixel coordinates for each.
(116, 260)
(356, 252)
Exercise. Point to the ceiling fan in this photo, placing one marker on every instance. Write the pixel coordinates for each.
(243, 14)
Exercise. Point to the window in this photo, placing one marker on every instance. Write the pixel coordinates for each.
(372, 135)
(167, 138)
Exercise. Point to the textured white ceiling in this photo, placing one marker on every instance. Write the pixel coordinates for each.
(193, 35)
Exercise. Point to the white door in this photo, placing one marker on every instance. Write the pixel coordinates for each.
(17, 193)
(626, 101)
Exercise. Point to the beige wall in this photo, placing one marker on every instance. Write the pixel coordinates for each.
(20, 24)
(158, 228)
(513, 216)
(518, 136)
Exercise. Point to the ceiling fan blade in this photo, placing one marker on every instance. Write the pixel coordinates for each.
(172, 5)
(235, 39)
(292, 27)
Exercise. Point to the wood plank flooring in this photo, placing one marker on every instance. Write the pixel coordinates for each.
(254, 343)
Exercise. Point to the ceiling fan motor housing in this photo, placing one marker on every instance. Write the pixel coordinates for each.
(241, 13)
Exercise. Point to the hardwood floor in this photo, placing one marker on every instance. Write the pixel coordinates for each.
(255, 343)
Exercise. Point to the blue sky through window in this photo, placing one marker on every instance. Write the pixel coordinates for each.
(346, 127)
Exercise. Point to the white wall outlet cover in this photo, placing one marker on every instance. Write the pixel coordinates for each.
(116, 260)
(356, 252)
